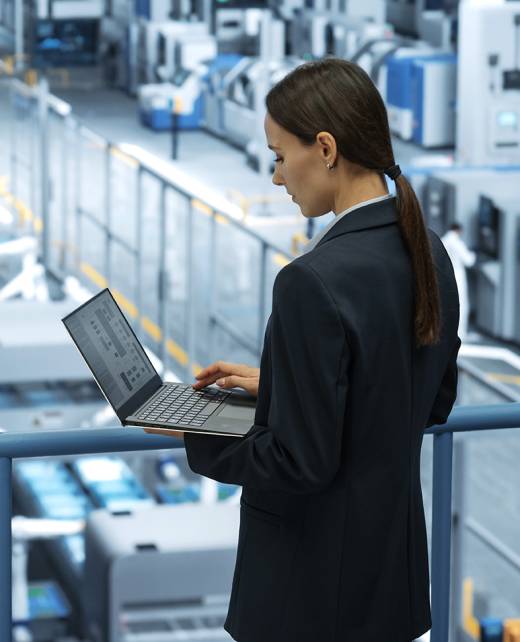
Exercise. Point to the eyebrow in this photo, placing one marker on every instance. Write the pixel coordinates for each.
(273, 147)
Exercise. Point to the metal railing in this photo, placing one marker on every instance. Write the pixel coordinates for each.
(116, 216)
(73, 442)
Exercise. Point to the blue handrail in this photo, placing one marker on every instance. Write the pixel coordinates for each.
(76, 442)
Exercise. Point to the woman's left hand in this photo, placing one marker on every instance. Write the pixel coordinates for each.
(163, 431)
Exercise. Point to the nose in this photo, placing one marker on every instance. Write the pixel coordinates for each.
(277, 179)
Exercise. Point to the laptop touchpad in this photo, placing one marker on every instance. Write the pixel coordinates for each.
(237, 412)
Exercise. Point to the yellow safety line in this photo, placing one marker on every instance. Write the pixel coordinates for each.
(280, 260)
(31, 77)
(202, 207)
(123, 157)
(195, 369)
(93, 275)
(470, 623)
(506, 378)
(298, 237)
(9, 65)
(38, 225)
(221, 219)
(125, 303)
(177, 352)
(152, 328)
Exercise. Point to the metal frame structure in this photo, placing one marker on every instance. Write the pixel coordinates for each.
(74, 442)
(70, 185)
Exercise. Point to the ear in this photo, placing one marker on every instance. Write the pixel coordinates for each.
(327, 147)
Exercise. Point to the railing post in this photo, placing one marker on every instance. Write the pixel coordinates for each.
(44, 174)
(459, 520)
(441, 535)
(5, 550)
(190, 294)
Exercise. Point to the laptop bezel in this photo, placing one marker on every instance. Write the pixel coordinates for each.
(142, 395)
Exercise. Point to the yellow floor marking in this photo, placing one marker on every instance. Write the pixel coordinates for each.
(125, 303)
(221, 219)
(202, 207)
(280, 260)
(195, 369)
(506, 378)
(124, 158)
(93, 275)
(152, 328)
(177, 352)
(470, 622)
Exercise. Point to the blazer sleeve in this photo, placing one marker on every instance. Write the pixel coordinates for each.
(299, 449)
(447, 392)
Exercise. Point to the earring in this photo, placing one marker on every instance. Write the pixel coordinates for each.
(329, 166)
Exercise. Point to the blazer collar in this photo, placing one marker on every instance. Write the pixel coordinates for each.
(364, 218)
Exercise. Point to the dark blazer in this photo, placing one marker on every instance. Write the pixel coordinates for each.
(332, 543)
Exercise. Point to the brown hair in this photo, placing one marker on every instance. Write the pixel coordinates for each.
(337, 96)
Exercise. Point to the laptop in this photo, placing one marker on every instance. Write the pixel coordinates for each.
(133, 387)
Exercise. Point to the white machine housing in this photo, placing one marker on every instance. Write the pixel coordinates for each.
(488, 88)
(148, 571)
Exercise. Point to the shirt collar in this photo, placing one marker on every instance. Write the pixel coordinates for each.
(381, 216)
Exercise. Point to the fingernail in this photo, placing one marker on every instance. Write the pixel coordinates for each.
(220, 382)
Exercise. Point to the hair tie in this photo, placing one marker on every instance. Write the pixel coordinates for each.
(393, 172)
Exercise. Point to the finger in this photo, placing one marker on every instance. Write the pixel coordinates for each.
(208, 380)
(233, 381)
(207, 371)
(226, 367)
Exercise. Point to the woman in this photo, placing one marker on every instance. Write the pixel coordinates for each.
(359, 356)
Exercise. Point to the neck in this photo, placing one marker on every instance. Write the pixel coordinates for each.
(358, 187)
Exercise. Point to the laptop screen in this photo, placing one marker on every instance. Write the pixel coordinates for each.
(110, 348)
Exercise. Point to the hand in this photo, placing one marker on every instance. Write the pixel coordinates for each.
(229, 375)
(164, 431)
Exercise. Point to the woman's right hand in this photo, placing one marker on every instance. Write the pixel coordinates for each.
(229, 375)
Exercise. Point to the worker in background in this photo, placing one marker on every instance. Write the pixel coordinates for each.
(461, 257)
(360, 355)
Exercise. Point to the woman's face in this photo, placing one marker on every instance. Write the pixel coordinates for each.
(301, 169)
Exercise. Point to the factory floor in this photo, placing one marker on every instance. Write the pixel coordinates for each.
(493, 475)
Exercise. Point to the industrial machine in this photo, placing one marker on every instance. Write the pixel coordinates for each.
(488, 111)
(237, 27)
(63, 33)
(319, 33)
(161, 573)
(498, 271)
(420, 96)
(453, 196)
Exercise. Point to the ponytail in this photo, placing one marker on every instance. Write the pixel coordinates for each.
(427, 315)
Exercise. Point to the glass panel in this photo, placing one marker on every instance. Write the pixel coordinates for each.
(123, 280)
(123, 200)
(150, 260)
(92, 269)
(92, 197)
(177, 211)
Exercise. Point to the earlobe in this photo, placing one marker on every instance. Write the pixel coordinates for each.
(328, 148)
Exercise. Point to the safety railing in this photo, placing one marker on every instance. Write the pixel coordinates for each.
(73, 442)
(195, 281)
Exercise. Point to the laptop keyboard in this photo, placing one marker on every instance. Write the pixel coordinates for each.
(180, 404)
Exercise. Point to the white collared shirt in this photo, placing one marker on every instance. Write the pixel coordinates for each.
(316, 239)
